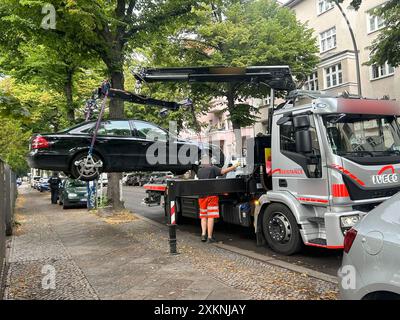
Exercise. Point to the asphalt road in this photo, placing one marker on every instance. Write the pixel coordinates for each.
(323, 260)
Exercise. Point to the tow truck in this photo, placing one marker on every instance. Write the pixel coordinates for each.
(321, 167)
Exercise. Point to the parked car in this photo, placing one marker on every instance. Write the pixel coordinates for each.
(370, 268)
(144, 178)
(73, 193)
(161, 177)
(43, 185)
(131, 179)
(34, 180)
(121, 145)
(36, 183)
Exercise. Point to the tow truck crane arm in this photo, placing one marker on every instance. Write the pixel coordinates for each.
(276, 77)
(139, 99)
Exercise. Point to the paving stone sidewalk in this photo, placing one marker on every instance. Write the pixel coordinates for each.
(97, 259)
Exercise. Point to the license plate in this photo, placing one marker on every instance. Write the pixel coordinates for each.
(83, 200)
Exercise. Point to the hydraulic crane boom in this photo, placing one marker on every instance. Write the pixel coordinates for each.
(139, 99)
(276, 77)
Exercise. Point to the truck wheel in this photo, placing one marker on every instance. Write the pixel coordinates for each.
(281, 230)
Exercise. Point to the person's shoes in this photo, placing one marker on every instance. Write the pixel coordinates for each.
(203, 238)
(211, 240)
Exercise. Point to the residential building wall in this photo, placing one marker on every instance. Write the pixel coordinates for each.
(307, 12)
(218, 129)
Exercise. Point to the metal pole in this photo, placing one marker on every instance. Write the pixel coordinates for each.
(353, 39)
(172, 221)
(271, 110)
(172, 229)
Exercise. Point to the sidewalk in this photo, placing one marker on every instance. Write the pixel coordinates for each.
(98, 259)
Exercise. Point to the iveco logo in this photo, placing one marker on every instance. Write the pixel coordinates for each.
(383, 178)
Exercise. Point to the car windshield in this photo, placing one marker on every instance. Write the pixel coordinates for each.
(76, 183)
(363, 135)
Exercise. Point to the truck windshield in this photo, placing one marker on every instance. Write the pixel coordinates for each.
(363, 135)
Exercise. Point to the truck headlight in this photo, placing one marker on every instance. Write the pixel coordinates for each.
(72, 195)
(349, 221)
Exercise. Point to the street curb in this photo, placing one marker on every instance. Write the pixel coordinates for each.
(260, 257)
(279, 263)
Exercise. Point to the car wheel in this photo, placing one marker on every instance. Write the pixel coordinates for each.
(281, 230)
(65, 206)
(86, 168)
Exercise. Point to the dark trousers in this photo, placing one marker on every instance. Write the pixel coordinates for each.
(54, 195)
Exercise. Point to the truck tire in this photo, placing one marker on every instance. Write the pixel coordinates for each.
(281, 230)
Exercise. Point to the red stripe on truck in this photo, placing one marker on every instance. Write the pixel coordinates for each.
(340, 191)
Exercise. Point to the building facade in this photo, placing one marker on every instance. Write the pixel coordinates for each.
(218, 129)
(336, 71)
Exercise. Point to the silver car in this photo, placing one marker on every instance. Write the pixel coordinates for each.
(371, 259)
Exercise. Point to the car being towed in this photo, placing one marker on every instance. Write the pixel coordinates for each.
(121, 145)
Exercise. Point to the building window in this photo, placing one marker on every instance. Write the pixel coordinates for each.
(333, 75)
(324, 5)
(327, 39)
(380, 71)
(374, 22)
(311, 82)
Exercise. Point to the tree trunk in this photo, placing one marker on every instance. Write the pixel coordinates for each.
(116, 112)
(68, 95)
(236, 126)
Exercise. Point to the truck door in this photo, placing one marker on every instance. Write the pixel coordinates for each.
(303, 174)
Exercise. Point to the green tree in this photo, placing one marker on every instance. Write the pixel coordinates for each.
(386, 47)
(32, 54)
(112, 30)
(13, 144)
(242, 33)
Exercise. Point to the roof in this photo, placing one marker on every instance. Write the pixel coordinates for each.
(291, 3)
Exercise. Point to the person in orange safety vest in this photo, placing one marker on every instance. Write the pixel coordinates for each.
(209, 206)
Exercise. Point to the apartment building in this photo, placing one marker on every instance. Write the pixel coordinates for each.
(336, 71)
(218, 129)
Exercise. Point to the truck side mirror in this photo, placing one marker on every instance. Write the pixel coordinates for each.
(303, 141)
(301, 125)
(301, 122)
